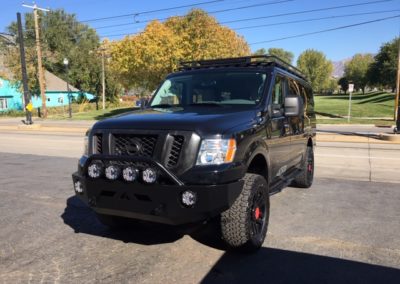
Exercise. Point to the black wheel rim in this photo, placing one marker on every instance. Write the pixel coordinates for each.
(258, 215)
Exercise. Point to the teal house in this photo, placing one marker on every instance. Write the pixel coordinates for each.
(10, 97)
(56, 94)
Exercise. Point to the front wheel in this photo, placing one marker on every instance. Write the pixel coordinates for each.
(244, 225)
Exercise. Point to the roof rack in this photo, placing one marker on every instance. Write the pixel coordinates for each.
(257, 60)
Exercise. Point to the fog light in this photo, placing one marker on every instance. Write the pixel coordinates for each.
(95, 170)
(149, 175)
(189, 198)
(78, 187)
(129, 174)
(112, 172)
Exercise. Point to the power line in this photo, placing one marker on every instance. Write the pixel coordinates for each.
(290, 22)
(317, 19)
(256, 18)
(306, 11)
(151, 11)
(327, 30)
(212, 12)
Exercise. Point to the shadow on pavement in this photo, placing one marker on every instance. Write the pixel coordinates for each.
(82, 219)
(349, 133)
(282, 266)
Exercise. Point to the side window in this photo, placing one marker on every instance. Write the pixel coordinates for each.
(294, 88)
(278, 94)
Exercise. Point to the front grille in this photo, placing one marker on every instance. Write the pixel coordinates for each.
(98, 143)
(175, 152)
(134, 145)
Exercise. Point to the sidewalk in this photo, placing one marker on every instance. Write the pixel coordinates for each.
(77, 126)
(325, 133)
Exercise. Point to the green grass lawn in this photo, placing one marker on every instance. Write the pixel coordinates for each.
(371, 108)
(95, 114)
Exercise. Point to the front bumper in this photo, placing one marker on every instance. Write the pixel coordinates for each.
(155, 202)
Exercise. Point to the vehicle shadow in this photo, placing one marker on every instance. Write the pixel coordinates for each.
(282, 266)
(350, 133)
(83, 220)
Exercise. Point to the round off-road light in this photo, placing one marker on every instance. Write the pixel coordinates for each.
(189, 198)
(95, 170)
(112, 172)
(78, 187)
(149, 175)
(129, 174)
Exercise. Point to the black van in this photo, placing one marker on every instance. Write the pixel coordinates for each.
(217, 138)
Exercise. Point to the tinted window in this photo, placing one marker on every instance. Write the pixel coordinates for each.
(234, 88)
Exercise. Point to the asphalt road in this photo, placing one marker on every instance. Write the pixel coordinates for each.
(340, 230)
(353, 161)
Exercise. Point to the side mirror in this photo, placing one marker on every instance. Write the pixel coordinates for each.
(293, 106)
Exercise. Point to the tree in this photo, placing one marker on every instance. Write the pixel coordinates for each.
(62, 36)
(282, 54)
(202, 37)
(356, 70)
(344, 84)
(261, 51)
(143, 60)
(382, 71)
(316, 68)
(332, 85)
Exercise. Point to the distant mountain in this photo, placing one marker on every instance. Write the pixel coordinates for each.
(338, 68)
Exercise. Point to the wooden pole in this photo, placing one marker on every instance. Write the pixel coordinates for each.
(40, 67)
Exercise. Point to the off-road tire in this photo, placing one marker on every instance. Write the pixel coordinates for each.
(239, 226)
(306, 176)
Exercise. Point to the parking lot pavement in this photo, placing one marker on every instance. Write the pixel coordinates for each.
(358, 161)
(338, 231)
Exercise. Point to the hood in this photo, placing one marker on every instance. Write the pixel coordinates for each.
(202, 120)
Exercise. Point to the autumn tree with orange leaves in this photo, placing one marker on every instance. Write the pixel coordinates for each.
(143, 60)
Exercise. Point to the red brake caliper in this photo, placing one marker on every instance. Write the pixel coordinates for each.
(257, 213)
(309, 167)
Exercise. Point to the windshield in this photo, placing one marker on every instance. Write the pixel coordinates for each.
(211, 88)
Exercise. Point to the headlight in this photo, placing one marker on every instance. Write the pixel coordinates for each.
(216, 151)
(86, 143)
(86, 146)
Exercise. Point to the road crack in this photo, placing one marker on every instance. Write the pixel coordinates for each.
(369, 159)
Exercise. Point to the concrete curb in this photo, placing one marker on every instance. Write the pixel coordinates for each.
(41, 128)
(321, 137)
(391, 137)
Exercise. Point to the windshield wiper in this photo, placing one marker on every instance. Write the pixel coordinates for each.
(206, 104)
(163, 106)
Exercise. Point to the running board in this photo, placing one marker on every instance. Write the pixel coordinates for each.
(283, 182)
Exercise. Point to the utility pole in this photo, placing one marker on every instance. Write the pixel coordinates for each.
(396, 102)
(39, 56)
(66, 62)
(27, 96)
(103, 79)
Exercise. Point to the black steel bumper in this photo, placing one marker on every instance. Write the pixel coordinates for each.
(155, 202)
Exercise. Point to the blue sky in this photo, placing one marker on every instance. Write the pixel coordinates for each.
(337, 45)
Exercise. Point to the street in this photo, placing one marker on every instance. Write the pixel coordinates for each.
(343, 229)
